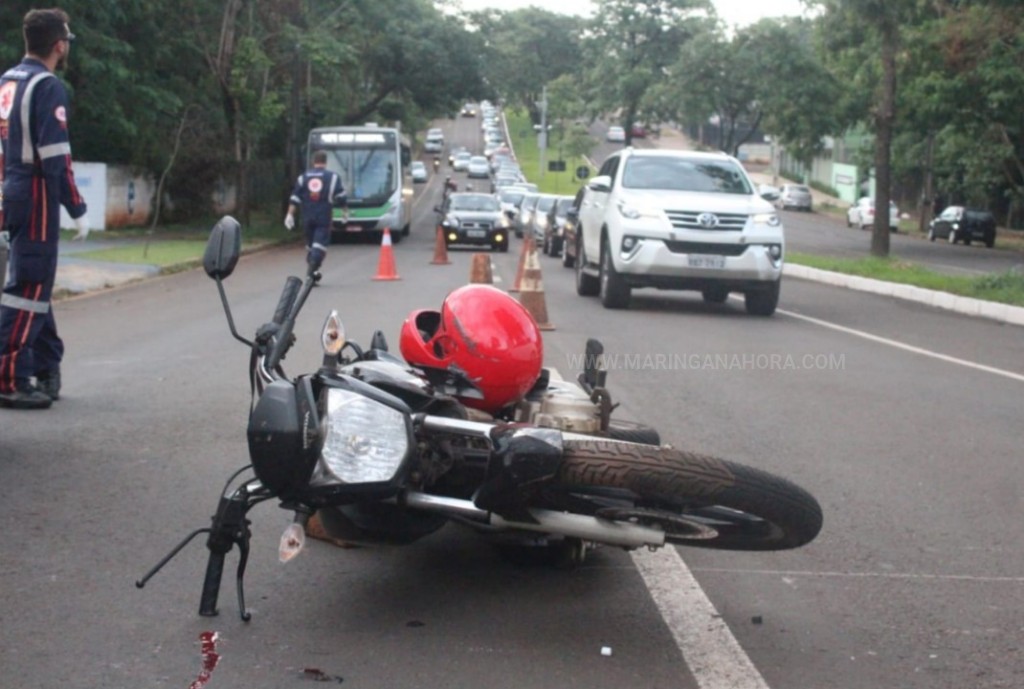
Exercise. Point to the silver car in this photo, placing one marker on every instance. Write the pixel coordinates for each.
(795, 196)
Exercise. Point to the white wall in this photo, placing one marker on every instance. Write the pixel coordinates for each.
(91, 179)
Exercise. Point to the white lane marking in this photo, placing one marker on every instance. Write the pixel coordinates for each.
(905, 347)
(712, 653)
(867, 575)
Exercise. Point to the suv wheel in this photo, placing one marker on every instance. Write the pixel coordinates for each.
(715, 295)
(614, 290)
(586, 285)
(763, 302)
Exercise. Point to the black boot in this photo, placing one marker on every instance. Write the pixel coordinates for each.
(49, 383)
(25, 396)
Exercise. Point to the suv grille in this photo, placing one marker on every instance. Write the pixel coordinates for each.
(700, 220)
(706, 248)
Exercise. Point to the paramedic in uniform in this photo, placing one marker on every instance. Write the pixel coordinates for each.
(317, 191)
(37, 181)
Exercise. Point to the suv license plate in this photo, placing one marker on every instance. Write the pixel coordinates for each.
(705, 261)
(476, 234)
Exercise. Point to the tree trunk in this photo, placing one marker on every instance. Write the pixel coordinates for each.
(885, 117)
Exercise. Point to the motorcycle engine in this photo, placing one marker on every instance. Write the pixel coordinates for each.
(562, 405)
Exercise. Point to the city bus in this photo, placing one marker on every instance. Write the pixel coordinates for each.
(373, 163)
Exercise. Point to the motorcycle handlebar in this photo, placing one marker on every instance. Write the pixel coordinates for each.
(284, 305)
(211, 584)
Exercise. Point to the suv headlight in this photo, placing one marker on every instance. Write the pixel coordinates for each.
(365, 441)
(770, 219)
(633, 213)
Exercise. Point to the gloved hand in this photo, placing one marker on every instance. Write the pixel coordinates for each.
(289, 222)
(82, 223)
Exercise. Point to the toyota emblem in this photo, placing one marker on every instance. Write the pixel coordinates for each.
(708, 220)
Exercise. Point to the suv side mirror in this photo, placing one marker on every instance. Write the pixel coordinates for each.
(573, 213)
(601, 183)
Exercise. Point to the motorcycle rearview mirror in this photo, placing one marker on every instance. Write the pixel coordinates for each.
(223, 248)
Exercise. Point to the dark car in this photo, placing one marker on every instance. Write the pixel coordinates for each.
(471, 218)
(957, 223)
(569, 231)
(554, 230)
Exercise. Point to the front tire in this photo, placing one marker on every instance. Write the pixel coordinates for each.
(763, 302)
(702, 501)
(614, 291)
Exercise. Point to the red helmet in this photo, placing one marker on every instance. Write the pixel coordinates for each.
(484, 332)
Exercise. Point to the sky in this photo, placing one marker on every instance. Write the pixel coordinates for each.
(733, 12)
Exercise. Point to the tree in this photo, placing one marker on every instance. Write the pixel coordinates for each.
(629, 47)
(863, 39)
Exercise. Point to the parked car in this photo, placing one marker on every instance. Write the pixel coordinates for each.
(957, 223)
(478, 167)
(615, 134)
(795, 196)
(473, 218)
(681, 220)
(862, 214)
(554, 227)
(418, 171)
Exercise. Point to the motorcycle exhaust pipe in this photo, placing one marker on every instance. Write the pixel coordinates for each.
(550, 522)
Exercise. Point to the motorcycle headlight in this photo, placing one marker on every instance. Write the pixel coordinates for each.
(365, 441)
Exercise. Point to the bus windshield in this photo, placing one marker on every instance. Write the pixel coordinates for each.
(368, 164)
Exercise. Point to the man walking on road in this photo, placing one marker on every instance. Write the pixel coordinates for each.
(317, 191)
(37, 181)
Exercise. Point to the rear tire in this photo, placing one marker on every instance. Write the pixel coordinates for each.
(742, 507)
(586, 285)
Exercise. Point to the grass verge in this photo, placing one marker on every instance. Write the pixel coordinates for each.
(524, 142)
(174, 245)
(1005, 288)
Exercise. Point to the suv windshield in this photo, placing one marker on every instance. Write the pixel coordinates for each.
(683, 174)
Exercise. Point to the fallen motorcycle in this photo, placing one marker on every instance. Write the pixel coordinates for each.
(386, 450)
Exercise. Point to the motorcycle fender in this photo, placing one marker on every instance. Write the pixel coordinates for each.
(284, 436)
(524, 458)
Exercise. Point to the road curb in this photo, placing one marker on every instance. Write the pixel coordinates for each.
(1003, 313)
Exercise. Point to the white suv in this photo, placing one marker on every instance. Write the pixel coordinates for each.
(677, 219)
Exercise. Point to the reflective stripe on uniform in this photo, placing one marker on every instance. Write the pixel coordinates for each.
(54, 150)
(22, 304)
(26, 113)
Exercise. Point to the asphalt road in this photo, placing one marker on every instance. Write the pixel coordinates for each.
(903, 421)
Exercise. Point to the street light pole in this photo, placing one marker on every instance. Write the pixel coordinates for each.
(542, 141)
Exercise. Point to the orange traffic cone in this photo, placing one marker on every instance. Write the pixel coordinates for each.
(480, 273)
(527, 247)
(386, 266)
(531, 292)
(440, 249)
